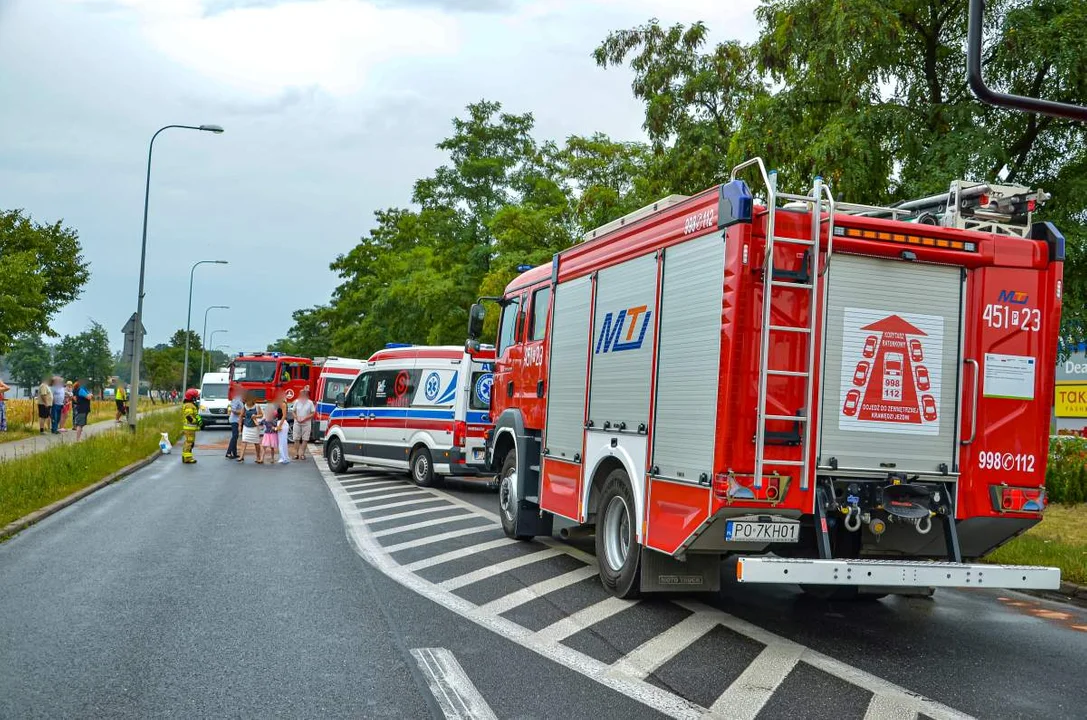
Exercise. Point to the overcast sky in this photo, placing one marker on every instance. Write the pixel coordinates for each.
(332, 109)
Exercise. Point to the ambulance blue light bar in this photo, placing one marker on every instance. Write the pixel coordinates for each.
(394, 346)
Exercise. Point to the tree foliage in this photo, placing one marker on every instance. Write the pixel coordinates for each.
(85, 356)
(29, 361)
(869, 94)
(42, 270)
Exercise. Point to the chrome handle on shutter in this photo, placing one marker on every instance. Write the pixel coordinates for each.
(974, 401)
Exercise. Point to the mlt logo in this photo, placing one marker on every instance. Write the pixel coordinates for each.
(610, 330)
(1013, 296)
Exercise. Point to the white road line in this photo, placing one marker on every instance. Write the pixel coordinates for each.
(498, 568)
(884, 707)
(582, 619)
(837, 668)
(452, 688)
(650, 655)
(440, 537)
(420, 511)
(457, 554)
(377, 500)
(390, 506)
(372, 491)
(424, 524)
(524, 595)
(355, 484)
(747, 694)
(663, 701)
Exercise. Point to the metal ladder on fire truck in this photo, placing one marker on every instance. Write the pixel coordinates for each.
(774, 284)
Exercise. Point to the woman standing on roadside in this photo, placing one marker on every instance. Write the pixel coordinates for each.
(82, 408)
(4, 387)
(69, 396)
(248, 428)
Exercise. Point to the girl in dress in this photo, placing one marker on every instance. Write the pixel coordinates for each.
(250, 433)
(283, 428)
(269, 441)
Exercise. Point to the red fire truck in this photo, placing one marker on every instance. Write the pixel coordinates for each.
(852, 398)
(266, 373)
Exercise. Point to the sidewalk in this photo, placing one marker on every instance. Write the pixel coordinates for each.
(37, 443)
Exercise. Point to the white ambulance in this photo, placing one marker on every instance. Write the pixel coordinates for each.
(416, 408)
(214, 406)
(334, 376)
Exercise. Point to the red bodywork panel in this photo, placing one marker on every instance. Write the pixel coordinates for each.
(1008, 271)
(291, 387)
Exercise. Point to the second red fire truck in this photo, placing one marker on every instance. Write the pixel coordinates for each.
(846, 397)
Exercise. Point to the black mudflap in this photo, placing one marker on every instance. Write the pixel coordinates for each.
(664, 573)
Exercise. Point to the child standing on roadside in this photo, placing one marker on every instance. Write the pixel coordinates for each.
(283, 429)
(269, 441)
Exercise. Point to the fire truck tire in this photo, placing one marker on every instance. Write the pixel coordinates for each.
(336, 462)
(509, 504)
(618, 552)
(422, 468)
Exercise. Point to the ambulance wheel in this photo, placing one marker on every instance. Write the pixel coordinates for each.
(617, 549)
(336, 461)
(508, 503)
(422, 468)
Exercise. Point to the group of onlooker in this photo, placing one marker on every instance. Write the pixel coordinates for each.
(267, 428)
(57, 399)
(4, 387)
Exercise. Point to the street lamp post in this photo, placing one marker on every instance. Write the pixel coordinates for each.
(204, 335)
(137, 345)
(211, 339)
(188, 319)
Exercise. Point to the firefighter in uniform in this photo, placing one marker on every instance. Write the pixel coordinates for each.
(190, 418)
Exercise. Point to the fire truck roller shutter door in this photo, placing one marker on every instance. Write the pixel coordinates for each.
(624, 324)
(892, 422)
(688, 358)
(566, 385)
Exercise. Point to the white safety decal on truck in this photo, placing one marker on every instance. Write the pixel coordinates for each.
(1009, 376)
(891, 372)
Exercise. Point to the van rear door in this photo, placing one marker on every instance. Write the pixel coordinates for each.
(474, 410)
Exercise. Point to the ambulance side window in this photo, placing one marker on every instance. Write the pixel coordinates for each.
(507, 330)
(540, 301)
(392, 388)
(359, 396)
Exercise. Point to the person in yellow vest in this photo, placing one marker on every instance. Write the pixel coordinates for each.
(190, 419)
(120, 397)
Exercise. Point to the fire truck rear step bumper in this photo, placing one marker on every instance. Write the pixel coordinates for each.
(895, 573)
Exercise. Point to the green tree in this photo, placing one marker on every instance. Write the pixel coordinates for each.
(872, 95)
(29, 360)
(309, 335)
(85, 356)
(164, 367)
(43, 270)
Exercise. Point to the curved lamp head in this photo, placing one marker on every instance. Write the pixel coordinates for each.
(217, 129)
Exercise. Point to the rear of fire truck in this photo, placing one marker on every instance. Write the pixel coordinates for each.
(905, 381)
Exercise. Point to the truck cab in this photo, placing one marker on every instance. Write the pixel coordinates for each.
(266, 374)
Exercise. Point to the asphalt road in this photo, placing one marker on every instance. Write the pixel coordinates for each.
(252, 591)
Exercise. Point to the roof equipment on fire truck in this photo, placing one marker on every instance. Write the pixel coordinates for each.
(638, 214)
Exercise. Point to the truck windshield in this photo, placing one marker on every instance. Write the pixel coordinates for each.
(216, 391)
(255, 370)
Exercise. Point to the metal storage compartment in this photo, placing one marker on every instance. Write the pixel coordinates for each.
(566, 384)
(892, 366)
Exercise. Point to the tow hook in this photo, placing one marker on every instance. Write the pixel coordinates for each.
(853, 518)
(923, 525)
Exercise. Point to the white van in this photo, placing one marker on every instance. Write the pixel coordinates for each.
(214, 405)
(334, 376)
(416, 408)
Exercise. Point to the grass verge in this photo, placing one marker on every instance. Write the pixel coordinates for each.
(32, 482)
(23, 416)
(1060, 540)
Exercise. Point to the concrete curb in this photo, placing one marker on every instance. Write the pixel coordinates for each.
(26, 521)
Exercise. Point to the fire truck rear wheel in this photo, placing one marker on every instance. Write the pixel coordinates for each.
(336, 462)
(617, 549)
(508, 503)
(422, 468)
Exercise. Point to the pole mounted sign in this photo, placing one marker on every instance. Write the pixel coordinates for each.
(130, 337)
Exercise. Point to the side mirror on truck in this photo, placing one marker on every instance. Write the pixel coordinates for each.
(476, 314)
